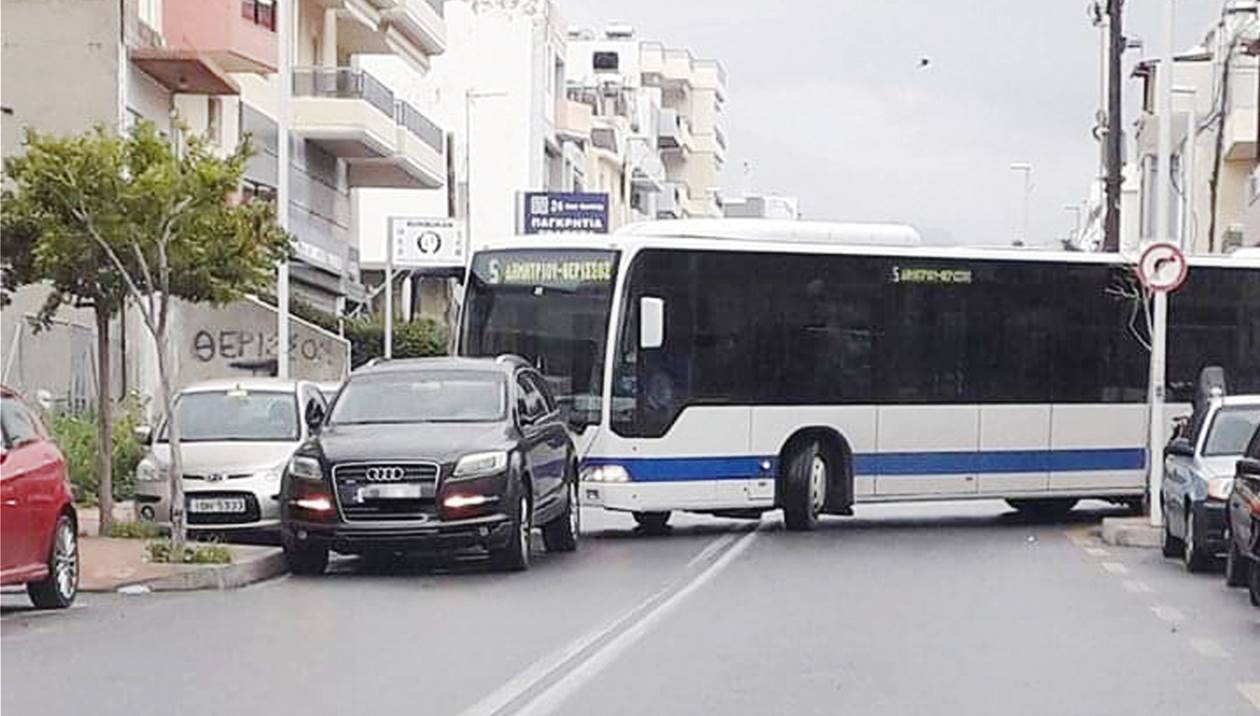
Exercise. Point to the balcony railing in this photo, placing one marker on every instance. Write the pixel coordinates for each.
(413, 121)
(343, 83)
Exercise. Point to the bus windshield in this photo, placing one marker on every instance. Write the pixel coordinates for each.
(550, 307)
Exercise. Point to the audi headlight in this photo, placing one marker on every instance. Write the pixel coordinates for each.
(148, 471)
(605, 473)
(306, 468)
(1219, 488)
(481, 463)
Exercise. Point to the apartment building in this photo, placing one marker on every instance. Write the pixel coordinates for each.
(668, 106)
(1214, 132)
(212, 65)
(762, 206)
(499, 89)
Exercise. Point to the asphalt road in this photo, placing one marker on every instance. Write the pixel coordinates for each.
(959, 608)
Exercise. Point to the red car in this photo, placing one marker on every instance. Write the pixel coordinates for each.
(39, 544)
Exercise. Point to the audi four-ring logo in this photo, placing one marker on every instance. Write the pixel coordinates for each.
(385, 474)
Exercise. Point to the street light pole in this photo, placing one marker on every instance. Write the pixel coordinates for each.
(1076, 220)
(284, 38)
(1186, 239)
(1023, 223)
(1159, 327)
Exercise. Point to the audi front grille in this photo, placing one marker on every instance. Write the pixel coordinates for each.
(350, 478)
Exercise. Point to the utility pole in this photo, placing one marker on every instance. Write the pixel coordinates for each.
(1115, 139)
(284, 38)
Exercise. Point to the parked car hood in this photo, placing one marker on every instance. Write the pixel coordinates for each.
(441, 442)
(229, 458)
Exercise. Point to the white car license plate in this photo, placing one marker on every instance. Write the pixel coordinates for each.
(216, 504)
(388, 492)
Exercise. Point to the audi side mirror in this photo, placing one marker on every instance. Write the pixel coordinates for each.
(314, 416)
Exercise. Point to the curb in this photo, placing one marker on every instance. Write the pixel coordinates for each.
(1131, 532)
(223, 576)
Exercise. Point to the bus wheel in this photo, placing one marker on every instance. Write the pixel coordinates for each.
(653, 523)
(805, 487)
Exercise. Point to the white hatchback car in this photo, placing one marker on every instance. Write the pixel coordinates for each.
(236, 436)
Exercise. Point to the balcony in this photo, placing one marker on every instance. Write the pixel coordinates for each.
(410, 29)
(183, 71)
(352, 115)
(711, 75)
(647, 171)
(414, 29)
(714, 144)
(669, 202)
(573, 120)
(239, 35)
(673, 132)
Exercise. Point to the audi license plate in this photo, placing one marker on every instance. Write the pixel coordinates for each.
(388, 492)
(216, 504)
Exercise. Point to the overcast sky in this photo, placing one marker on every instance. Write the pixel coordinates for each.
(826, 100)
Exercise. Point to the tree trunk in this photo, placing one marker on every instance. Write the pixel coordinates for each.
(176, 476)
(105, 423)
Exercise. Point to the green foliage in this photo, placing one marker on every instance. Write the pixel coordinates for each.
(420, 338)
(135, 530)
(76, 436)
(197, 553)
(111, 214)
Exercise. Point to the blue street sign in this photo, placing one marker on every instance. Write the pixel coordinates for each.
(565, 211)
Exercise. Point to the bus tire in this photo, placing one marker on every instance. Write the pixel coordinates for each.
(653, 523)
(804, 487)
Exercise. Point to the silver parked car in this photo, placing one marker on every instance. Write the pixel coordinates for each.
(1199, 472)
(236, 437)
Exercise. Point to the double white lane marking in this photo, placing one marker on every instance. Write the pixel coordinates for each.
(569, 668)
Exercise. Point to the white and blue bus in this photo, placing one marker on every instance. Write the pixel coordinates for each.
(734, 367)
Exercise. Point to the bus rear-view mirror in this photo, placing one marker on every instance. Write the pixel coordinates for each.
(651, 322)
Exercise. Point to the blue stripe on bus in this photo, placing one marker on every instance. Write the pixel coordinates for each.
(896, 463)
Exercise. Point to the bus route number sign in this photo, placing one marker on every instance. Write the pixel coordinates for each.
(1162, 268)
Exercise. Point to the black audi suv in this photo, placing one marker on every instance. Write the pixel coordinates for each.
(435, 455)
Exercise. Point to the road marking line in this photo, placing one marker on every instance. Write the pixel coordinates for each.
(1252, 693)
(1209, 648)
(1097, 552)
(715, 546)
(556, 694)
(1167, 613)
(1115, 567)
(643, 613)
(1137, 587)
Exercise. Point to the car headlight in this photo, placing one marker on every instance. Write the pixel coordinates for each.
(306, 468)
(1218, 488)
(481, 463)
(147, 471)
(605, 473)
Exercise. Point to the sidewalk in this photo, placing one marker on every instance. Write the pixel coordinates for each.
(107, 564)
(1130, 532)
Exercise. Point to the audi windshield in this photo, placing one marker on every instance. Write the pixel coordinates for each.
(550, 307)
(422, 397)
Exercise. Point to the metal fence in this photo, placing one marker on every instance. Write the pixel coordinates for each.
(421, 126)
(57, 363)
(345, 83)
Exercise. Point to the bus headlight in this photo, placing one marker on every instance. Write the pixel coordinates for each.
(605, 473)
(1219, 488)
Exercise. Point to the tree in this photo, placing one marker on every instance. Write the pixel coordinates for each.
(163, 217)
(40, 246)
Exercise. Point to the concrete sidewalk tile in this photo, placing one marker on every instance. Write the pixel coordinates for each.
(1131, 532)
